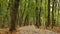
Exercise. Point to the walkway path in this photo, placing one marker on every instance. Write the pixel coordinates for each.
(33, 30)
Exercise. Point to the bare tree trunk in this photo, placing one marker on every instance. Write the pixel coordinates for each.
(38, 16)
(14, 11)
(45, 14)
(58, 12)
(53, 20)
(48, 23)
(52, 14)
(26, 21)
(21, 17)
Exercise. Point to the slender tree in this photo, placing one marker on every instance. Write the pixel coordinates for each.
(0, 13)
(38, 15)
(26, 22)
(58, 11)
(14, 11)
(53, 21)
(48, 23)
(45, 13)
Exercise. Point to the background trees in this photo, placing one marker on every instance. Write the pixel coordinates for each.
(30, 12)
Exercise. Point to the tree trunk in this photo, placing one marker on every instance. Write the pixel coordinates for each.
(38, 16)
(26, 22)
(48, 23)
(14, 11)
(53, 15)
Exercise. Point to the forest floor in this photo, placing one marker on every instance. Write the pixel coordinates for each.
(32, 30)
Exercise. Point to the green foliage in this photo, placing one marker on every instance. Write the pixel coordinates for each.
(23, 7)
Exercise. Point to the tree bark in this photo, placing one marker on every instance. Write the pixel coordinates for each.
(53, 21)
(26, 22)
(48, 23)
(14, 11)
(38, 23)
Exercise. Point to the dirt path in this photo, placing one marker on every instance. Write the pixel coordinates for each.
(28, 30)
(33, 30)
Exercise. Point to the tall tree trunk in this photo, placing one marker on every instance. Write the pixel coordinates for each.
(53, 21)
(45, 14)
(58, 12)
(48, 23)
(1, 16)
(55, 5)
(14, 11)
(38, 16)
(26, 22)
(22, 15)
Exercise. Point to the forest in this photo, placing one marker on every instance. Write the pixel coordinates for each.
(16, 16)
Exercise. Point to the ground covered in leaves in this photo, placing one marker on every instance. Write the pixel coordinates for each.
(33, 30)
(29, 30)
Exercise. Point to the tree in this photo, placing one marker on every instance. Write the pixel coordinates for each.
(38, 11)
(26, 21)
(53, 20)
(48, 23)
(58, 11)
(14, 11)
(0, 14)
